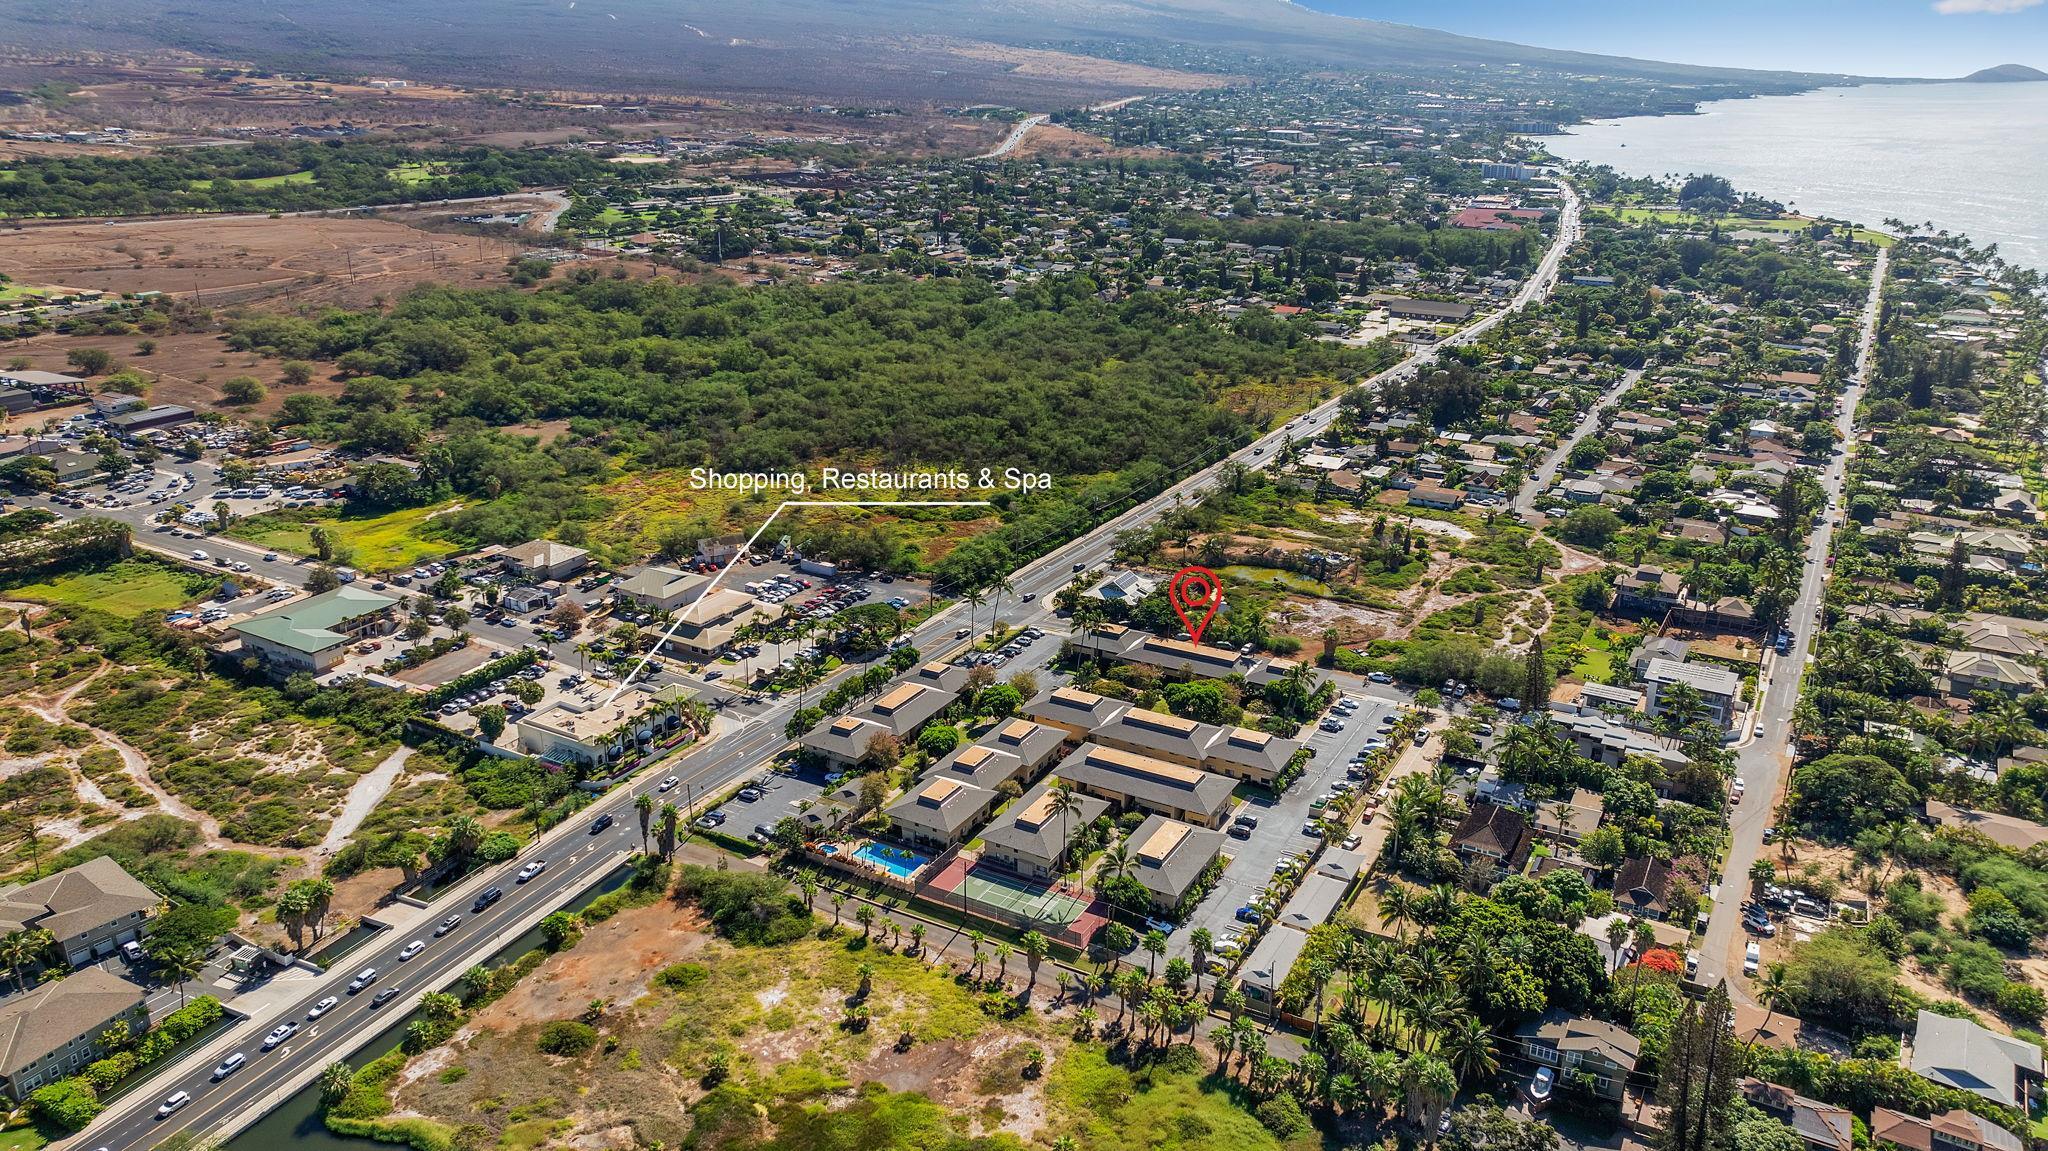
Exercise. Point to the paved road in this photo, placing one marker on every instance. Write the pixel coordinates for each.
(705, 771)
(1540, 480)
(1762, 761)
(1015, 137)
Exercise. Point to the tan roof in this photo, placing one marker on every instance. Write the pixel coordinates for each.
(1160, 721)
(1145, 765)
(1016, 730)
(938, 791)
(1036, 812)
(903, 693)
(1246, 737)
(1076, 696)
(846, 725)
(974, 756)
(1162, 841)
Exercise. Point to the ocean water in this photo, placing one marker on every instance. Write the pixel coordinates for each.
(1971, 158)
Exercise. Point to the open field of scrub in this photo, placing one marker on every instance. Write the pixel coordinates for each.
(664, 1033)
(129, 588)
(393, 540)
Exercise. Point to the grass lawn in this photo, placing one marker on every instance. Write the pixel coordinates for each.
(376, 543)
(23, 1139)
(1732, 223)
(263, 181)
(129, 588)
(416, 173)
(1598, 661)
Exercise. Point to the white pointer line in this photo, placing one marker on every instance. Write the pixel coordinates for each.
(747, 548)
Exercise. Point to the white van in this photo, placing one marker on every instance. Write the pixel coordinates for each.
(1752, 956)
(200, 555)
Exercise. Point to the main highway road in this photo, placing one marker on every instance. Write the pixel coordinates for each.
(576, 858)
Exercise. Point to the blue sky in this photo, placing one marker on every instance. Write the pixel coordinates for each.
(1869, 37)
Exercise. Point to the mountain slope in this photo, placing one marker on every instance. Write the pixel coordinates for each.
(907, 50)
(2005, 74)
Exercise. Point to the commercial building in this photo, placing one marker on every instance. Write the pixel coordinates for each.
(544, 560)
(312, 634)
(707, 625)
(91, 909)
(659, 589)
(53, 1030)
(601, 733)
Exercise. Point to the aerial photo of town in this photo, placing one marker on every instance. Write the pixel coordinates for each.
(1197, 575)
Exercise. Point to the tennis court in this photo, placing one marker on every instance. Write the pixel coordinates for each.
(1005, 896)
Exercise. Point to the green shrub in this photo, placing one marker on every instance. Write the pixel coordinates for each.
(67, 1103)
(566, 1037)
(681, 976)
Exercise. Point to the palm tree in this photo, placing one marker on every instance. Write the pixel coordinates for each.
(1379, 1077)
(1617, 934)
(975, 597)
(865, 916)
(183, 967)
(807, 883)
(644, 804)
(1397, 908)
(14, 952)
(1226, 1039)
(335, 1080)
(1468, 1044)
(1774, 990)
(1036, 947)
(1201, 940)
(1116, 862)
(917, 938)
(1003, 952)
(999, 585)
(1063, 802)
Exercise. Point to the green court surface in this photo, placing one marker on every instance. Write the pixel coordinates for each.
(1042, 904)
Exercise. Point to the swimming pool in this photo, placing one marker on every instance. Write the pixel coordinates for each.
(901, 862)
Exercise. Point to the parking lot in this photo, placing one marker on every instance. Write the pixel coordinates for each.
(775, 794)
(1281, 819)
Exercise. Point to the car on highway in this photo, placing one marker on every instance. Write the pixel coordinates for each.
(447, 925)
(364, 978)
(323, 1007)
(531, 870)
(383, 997)
(412, 949)
(170, 1105)
(598, 825)
(486, 899)
(280, 1033)
(668, 783)
(229, 1066)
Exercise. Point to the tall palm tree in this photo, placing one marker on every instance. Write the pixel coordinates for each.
(1379, 1077)
(644, 805)
(1397, 909)
(975, 597)
(1063, 801)
(183, 967)
(1116, 863)
(999, 585)
(1774, 990)
(1468, 1044)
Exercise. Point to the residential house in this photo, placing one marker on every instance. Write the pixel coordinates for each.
(1030, 838)
(1144, 783)
(1969, 1057)
(1494, 834)
(313, 634)
(1971, 672)
(1571, 821)
(1716, 688)
(1952, 1130)
(1169, 857)
(1431, 495)
(1823, 1126)
(719, 550)
(1603, 1052)
(53, 1030)
(901, 712)
(1642, 887)
(90, 909)
(1073, 711)
(2004, 830)
(937, 812)
(1647, 590)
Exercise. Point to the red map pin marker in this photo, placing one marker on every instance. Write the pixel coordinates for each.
(1195, 590)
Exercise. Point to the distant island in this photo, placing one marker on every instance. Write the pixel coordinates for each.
(2005, 74)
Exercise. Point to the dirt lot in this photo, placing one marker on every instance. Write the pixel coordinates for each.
(775, 1011)
(305, 259)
